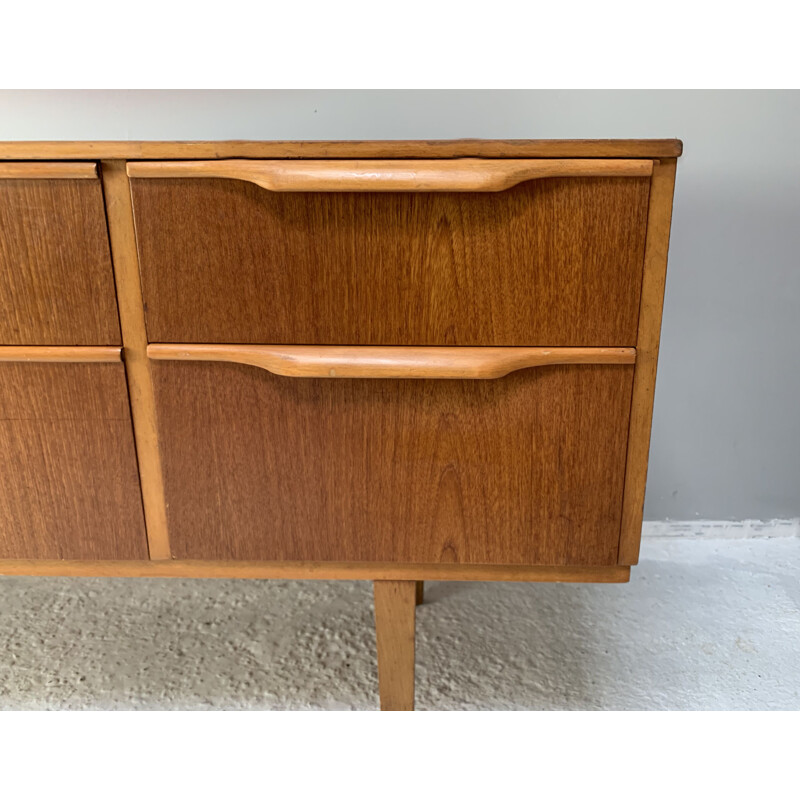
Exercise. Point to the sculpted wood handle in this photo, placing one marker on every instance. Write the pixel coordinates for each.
(46, 170)
(65, 354)
(310, 361)
(441, 175)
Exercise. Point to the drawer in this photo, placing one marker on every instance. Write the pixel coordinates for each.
(527, 468)
(69, 486)
(56, 281)
(459, 252)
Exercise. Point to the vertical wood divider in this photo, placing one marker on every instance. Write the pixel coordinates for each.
(659, 219)
(119, 210)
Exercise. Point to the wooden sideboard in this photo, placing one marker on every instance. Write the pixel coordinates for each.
(385, 361)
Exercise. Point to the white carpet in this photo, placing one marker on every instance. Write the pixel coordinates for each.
(704, 624)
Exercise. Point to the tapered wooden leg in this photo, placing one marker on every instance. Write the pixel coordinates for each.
(395, 613)
(420, 592)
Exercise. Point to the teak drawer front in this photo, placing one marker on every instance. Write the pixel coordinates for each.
(69, 486)
(552, 261)
(523, 469)
(56, 281)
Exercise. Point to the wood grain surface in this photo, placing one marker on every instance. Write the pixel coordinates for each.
(47, 169)
(46, 353)
(392, 175)
(430, 148)
(69, 487)
(556, 262)
(56, 283)
(395, 618)
(527, 469)
(314, 570)
(314, 361)
(137, 366)
(647, 344)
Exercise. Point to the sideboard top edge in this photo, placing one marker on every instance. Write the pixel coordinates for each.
(447, 148)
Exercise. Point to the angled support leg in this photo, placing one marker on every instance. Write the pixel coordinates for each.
(395, 612)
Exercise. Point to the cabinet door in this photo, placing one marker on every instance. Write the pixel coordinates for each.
(69, 486)
(524, 469)
(56, 281)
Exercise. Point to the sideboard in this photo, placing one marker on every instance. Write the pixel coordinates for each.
(386, 361)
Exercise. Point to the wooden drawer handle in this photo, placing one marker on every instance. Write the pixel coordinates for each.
(309, 361)
(67, 354)
(455, 175)
(46, 170)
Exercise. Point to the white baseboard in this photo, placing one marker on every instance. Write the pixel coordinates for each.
(722, 529)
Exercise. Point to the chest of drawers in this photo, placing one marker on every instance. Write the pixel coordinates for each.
(385, 361)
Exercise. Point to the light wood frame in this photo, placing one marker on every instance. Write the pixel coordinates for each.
(313, 570)
(659, 218)
(447, 148)
(122, 237)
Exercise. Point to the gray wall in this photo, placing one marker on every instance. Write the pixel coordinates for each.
(726, 432)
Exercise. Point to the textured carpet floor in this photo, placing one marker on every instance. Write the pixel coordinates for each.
(704, 624)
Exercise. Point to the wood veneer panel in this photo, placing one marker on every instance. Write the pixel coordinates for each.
(56, 282)
(527, 469)
(555, 262)
(432, 148)
(69, 486)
